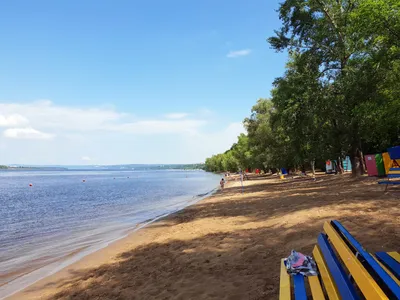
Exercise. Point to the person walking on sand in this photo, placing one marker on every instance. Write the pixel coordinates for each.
(222, 183)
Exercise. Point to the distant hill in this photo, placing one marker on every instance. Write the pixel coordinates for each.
(152, 167)
(128, 167)
(15, 167)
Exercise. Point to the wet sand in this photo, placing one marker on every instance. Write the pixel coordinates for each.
(229, 245)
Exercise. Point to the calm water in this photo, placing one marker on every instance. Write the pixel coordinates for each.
(60, 214)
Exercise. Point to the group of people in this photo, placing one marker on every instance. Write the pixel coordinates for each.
(222, 181)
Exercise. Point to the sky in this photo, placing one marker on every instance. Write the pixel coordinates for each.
(129, 81)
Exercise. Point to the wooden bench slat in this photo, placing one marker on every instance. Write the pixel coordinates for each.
(387, 281)
(326, 277)
(343, 284)
(395, 255)
(299, 287)
(344, 265)
(389, 262)
(284, 290)
(387, 271)
(364, 280)
(316, 289)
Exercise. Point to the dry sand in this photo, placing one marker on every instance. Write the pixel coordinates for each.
(229, 245)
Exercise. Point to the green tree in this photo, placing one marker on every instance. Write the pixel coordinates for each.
(241, 152)
(260, 135)
(340, 93)
(229, 162)
(326, 32)
(297, 97)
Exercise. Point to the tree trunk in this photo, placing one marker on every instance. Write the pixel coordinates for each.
(363, 166)
(312, 163)
(340, 165)
(355, 165)
(357, 162)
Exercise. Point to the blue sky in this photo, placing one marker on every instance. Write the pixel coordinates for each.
(104, 82)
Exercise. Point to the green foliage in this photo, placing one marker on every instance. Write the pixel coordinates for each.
(179, 167)
(340, 94)
(3, 167)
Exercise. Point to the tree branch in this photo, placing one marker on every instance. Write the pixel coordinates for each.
(327, 69)
(390, 29)
(339, 33)
(331, 21)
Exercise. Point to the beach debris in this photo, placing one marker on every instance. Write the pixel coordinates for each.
(298, 263)
(83, 180)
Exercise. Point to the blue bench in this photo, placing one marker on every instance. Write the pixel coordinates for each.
(346, 271)
(393, 173)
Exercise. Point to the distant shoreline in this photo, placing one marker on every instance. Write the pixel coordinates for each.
(127, 167)
(5, 168)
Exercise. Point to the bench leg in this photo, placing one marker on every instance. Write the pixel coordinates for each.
(386, 188)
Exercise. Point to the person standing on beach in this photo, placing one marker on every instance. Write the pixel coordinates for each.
(222, 183)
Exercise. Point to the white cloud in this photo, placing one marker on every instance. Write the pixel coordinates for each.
(204, 145)
(49, 117)
(221, 140)
(237, 53)
(44, 114)
(26, 133)
(205, 112)
(176, 115)
(12, 120)
(109, 135)
(159, 126)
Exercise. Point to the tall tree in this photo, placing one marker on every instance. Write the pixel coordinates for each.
(297, 97)
(323, 29)
(260, 134)
(340, 94)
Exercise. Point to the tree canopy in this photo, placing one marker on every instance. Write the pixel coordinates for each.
(339, 95)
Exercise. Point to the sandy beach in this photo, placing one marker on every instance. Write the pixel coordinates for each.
(229, 245)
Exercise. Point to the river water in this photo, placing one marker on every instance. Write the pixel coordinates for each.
(64, 215)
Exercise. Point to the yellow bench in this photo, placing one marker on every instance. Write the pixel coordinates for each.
(346, 271)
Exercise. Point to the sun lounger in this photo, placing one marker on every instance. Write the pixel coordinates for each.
(346, 271)
(393, 173)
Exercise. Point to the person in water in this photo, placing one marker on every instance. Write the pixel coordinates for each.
(222, 183)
